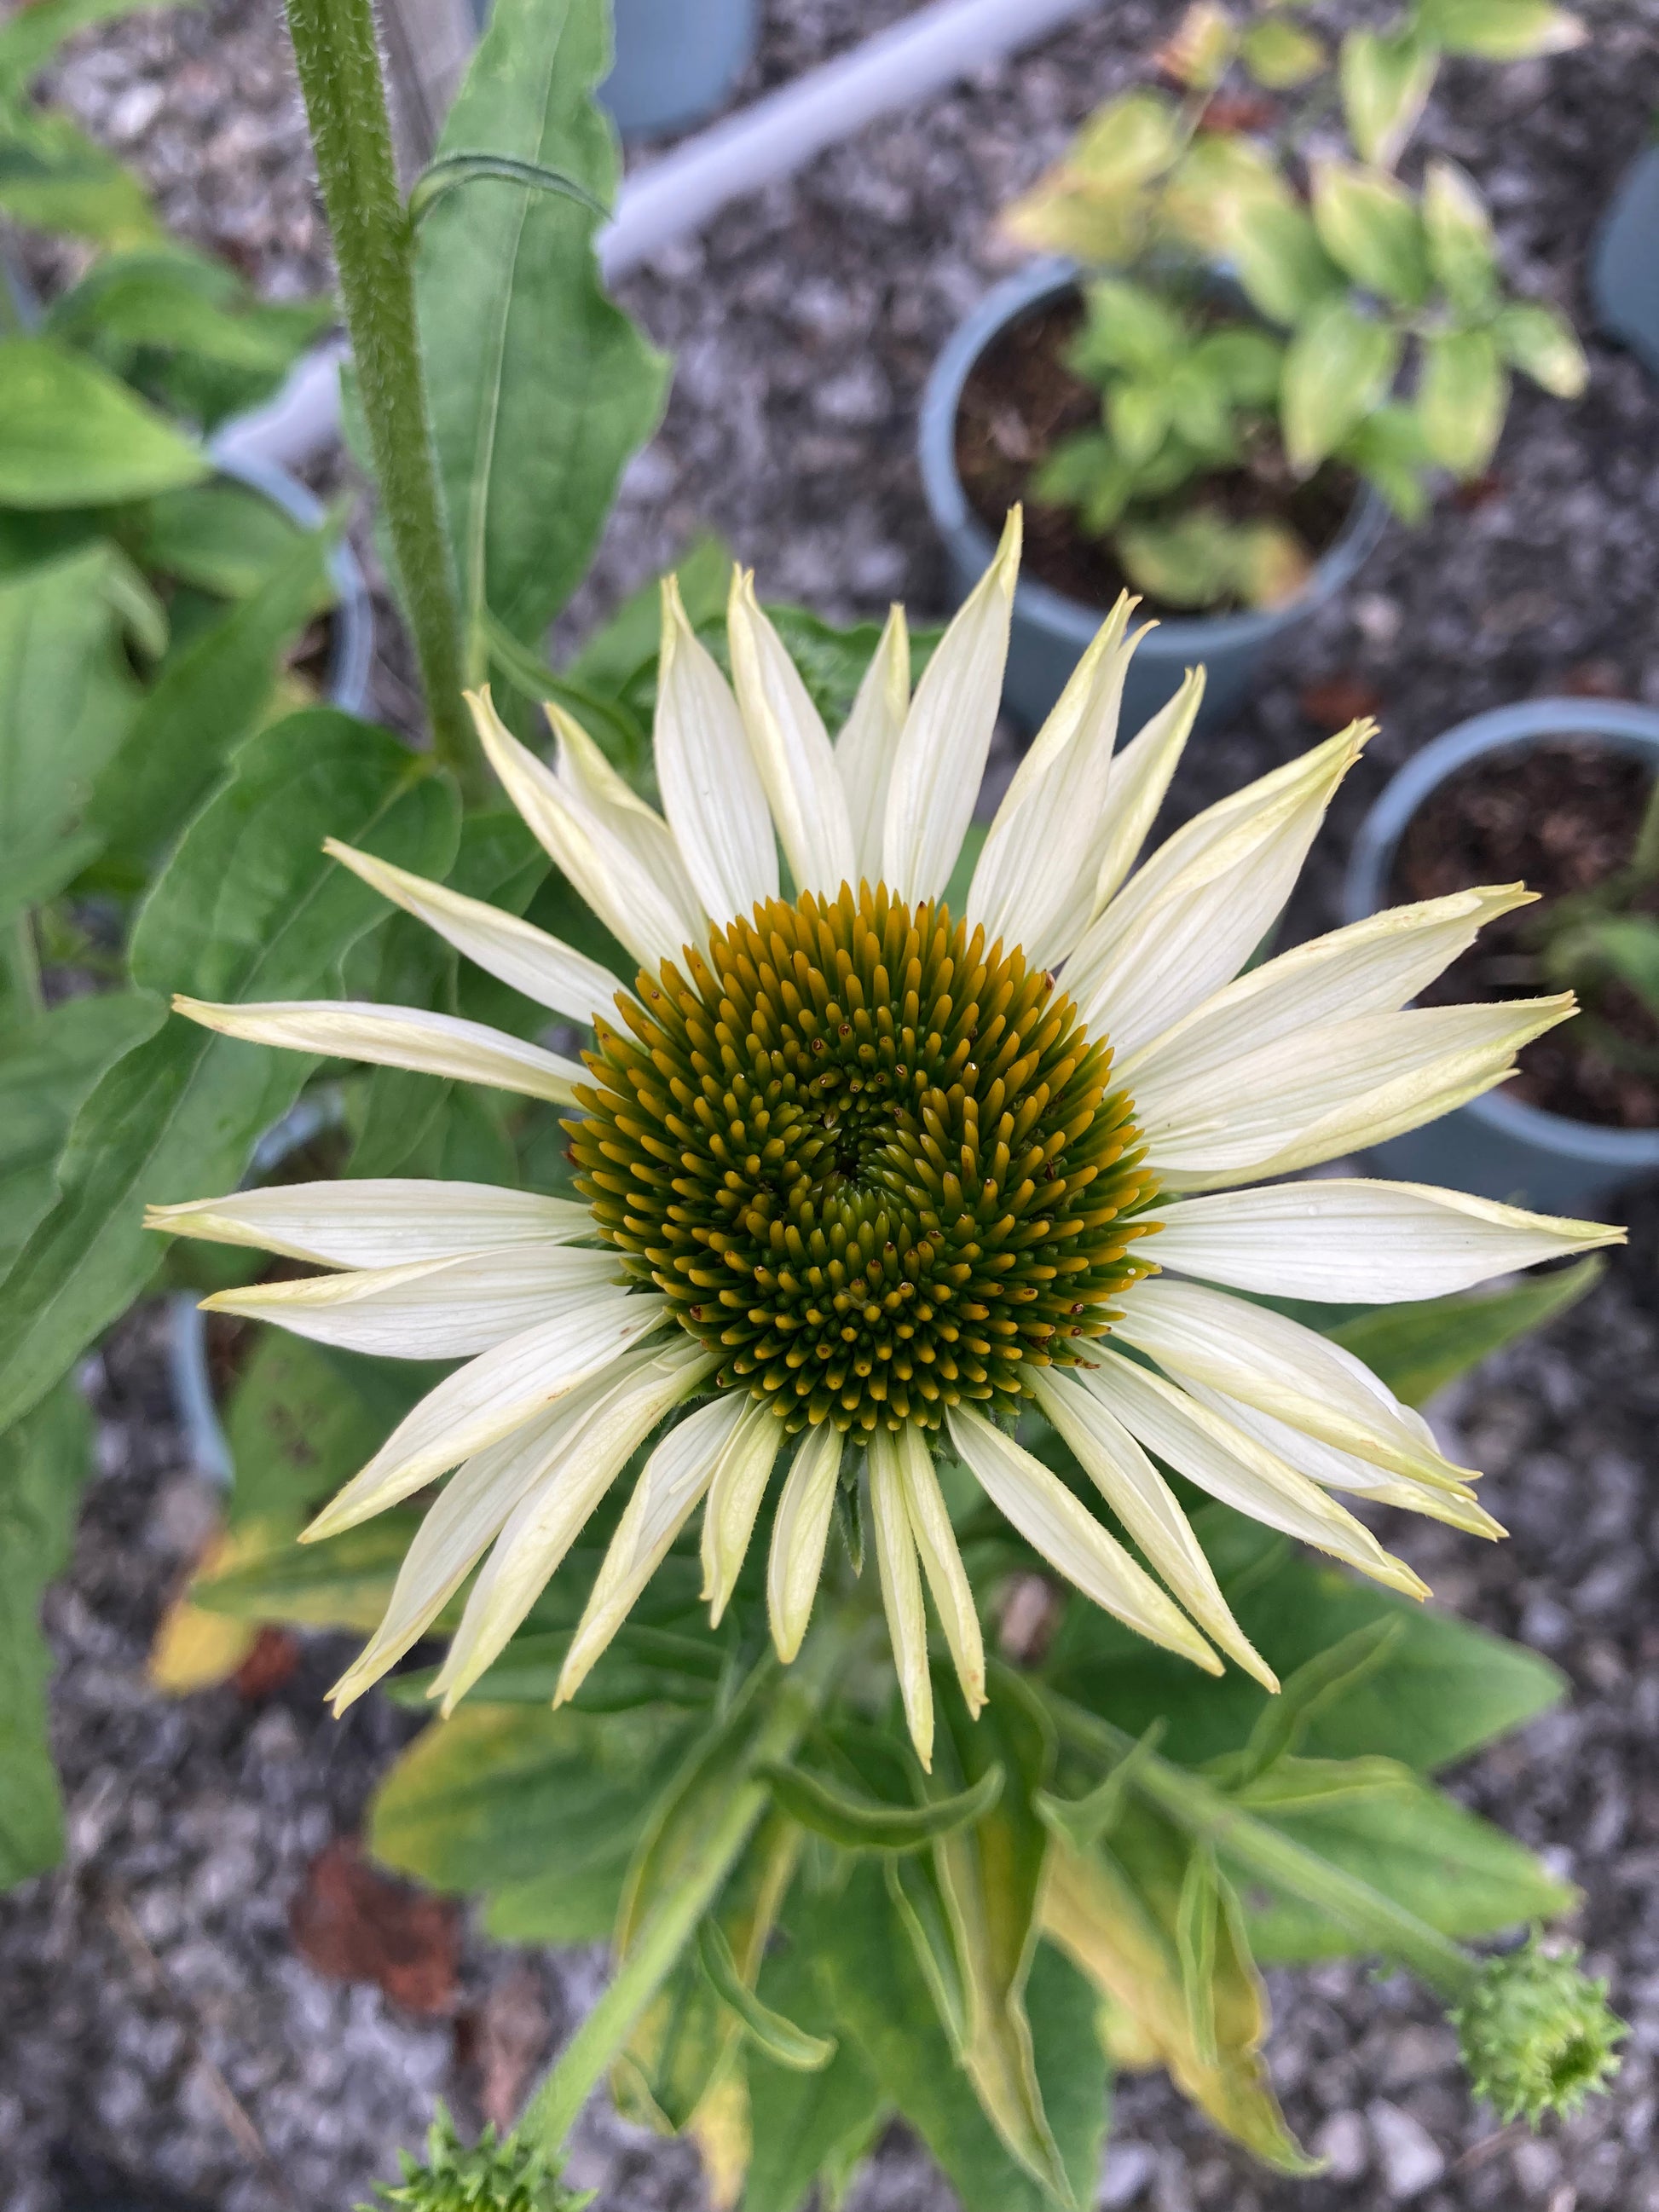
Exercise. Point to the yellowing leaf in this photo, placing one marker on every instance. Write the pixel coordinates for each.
(1279, 53)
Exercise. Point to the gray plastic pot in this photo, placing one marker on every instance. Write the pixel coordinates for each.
(1497, 1147)
(1050, 631)
(677, 61)
(1624, 265)
(351, 646)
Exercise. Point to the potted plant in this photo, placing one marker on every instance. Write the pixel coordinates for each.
(1259, 340)
(1564, 793)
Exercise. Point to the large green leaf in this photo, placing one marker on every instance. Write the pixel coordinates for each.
(67, 699)
(248, 907)
(805, 2124)
(1420, 1347)
(1338, 366)
(71, 436)
(302, 1420)
(205, 700)
(48, 1064)
(53, 177)
(540, 388)
(43, 1462)
(224, 539)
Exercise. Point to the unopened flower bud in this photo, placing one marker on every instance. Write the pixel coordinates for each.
(487, 2176)
(1536, 2033)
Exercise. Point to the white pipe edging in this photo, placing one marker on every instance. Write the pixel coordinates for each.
(769, 139)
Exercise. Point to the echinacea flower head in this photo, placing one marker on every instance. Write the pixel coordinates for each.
(863, 1178)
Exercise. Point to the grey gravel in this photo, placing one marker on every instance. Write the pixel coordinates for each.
(804, 324)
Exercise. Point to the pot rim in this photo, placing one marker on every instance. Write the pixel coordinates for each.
(351, 648)
(1625, 725)
(954, 517)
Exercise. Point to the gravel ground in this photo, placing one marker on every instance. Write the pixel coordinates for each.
(176, 2046)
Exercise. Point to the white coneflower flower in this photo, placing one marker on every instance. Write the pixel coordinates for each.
(861, 1176)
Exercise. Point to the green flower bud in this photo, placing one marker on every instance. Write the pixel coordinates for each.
(1537, 2035)
(483, 2177)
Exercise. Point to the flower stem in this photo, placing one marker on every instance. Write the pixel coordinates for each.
(339, 66)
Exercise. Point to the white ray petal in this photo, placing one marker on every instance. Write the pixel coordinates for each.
(552, 973)
(453, 1536)
(429, 1309)
(1234, 1466)
(901, 1590)
(1354, 1241)
(1372, 967)
(734, 1498)
(801, 1530)
(609, 799)
(1050, 820)
(377, 1222)
(492, 1396)
(638, 909)
(1202, 1335)
(1147, 1507)
(711, 789)
(395, 1036)
(1340, 1470)
(1033, 1500)
(941, 1560)
(670, 1484)
(1318, 1093)
(940, 762)
(1187, 921)
(868, 743)
(587, 1458)
(791, 747)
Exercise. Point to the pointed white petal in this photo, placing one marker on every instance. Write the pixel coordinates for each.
(1318, 1093)
(868, 745)
(429, 1309)
(711, 788)
(940, 762)
(609, 800)
(586, 1458)
(734, 1498)
(395, 1036)
(1372, 967)
(1147, 1507)
(634, 906)
(900, 1591)
(453, 1537)
(1141, 773)
(492, 1396)
(1200, 1335)
(379, 1222)
(1191, 918)
(1047, 826)
(670, 1484)
(791, 747)
(1234, 1466)
(553, 974)
(1033, 1500)
(799, 1532)
(947, 1578)
(1349, 1241)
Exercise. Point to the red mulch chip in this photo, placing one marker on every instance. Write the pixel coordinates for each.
(356, 1924)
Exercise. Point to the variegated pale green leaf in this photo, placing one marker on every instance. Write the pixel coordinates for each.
(1339, 368)
(1386, 78)
(1461, 398)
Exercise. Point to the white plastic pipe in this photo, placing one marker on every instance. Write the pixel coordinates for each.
(770, 138)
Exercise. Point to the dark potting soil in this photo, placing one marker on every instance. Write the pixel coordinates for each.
(1560, 817)
(1020, 400)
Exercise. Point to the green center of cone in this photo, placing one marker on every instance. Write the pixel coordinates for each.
(875, 1163)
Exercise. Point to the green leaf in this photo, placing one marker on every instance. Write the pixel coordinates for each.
(1126, 327)
(43, 1460)
(615, 652)
(540, 387)
(342, 1581)
(1089, 1820)
(174, 300)
(859, 1823)
(1461, 398)
(780, 2039)
(1369, 225)
(1419, 1348)
(204, 702)
(1389, 450)
(1279, 53)
(456, 169)
(1499, 30)
(221, 537)
(1410, 1842)
(1126, 141)
(1243, 361)
(31, 34)
(48, 1062)
(1319, 1683)
(1628, 944)
(1138, 417)
(1541, 344)
(302, 1421)
(71, 435)
(1386, 78)
(806, 2125)
(1338, 366)
(248, 907)
(53, 177)
(67, 698)
(1457, 229)
(1284, 270)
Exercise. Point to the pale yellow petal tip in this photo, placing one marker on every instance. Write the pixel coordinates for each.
(168, 1220)
(1009, 547)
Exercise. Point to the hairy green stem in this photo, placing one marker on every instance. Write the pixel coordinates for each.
(552, 2111)
(1195, 1805)
(339, 65)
